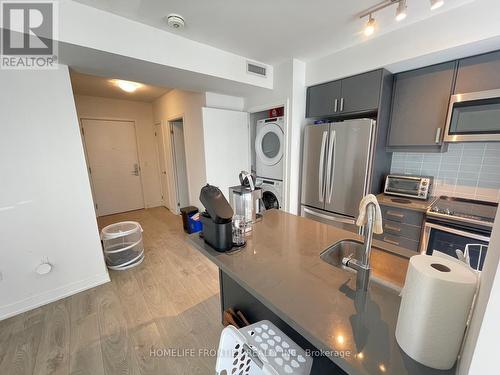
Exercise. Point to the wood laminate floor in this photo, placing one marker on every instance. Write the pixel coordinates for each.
(168, 305)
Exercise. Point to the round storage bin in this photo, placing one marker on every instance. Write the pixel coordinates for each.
(122, 243)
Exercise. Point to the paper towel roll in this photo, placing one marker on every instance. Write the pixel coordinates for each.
(436, 300)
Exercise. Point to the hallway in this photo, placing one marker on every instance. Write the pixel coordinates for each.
(169, 304)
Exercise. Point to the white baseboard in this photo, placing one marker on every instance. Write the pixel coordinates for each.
(52, 295)
(154, 204)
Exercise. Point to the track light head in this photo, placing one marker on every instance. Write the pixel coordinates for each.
(370, 26)
(435, 4)
(401, 11)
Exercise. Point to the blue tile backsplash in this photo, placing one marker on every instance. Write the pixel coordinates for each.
(468, 170)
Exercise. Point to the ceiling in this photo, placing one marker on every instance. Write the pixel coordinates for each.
(84, 84)
(271, 31)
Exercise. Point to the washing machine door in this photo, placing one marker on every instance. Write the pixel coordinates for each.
(270, 200)
(269, 144)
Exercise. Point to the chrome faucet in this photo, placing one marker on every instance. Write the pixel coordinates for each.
(362, 267)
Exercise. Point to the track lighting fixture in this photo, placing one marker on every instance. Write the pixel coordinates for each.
(370, 26)
(401, 11)
(436, 4)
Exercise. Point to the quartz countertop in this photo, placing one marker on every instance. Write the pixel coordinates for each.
(407, 203)
(281, 267)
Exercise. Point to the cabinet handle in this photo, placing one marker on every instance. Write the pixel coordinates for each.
(438, 136)
(336, 105)
(341, 104)
(395, 214)
(391, 242)
(390, 227)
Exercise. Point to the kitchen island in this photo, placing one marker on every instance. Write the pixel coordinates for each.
(279, 276)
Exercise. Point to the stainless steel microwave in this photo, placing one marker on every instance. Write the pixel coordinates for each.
(418, 187)
(474, 117)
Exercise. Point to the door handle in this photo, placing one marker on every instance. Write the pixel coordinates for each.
(341, 104)
(321, 167)
(336, 105)
(331, 164)
(136, 170)
(328, 217)
(438, 136)
(390, 227)
(395, 214)
(391, 241)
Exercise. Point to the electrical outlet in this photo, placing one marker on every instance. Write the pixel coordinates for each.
(1, 275)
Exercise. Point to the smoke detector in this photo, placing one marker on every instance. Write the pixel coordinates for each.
(175, 21)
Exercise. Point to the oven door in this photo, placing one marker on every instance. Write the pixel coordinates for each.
(448, 239)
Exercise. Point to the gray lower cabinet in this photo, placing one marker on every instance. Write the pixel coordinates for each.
(402, 230)
(478, 73)
(324, 99)
(419, 108)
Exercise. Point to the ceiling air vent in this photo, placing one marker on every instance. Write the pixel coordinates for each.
(256, 69)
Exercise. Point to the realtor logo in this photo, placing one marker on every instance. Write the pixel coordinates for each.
(28, 34)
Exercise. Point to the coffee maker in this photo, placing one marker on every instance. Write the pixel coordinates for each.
(245, 199)
(217, 219)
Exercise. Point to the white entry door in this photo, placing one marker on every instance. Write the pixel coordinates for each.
(226, 138)
(111, 149)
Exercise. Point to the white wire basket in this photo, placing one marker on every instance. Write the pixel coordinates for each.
(260, 349)
(475, 251)
(122, 244)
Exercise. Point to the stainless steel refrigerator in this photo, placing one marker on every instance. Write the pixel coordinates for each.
(336, 170)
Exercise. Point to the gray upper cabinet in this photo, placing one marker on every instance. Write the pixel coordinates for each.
(478, 73)
(419, 108)
(323, 100)
(357, 94)
(361, 93)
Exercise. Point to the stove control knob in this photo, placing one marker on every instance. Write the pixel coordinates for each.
(435, 209)
(447, 211)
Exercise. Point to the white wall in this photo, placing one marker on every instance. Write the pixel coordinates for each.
(481, 345)
(176, 104)
(46, 208)
(142, 114)
(226, 140)
(214, 100)
(464, 31)
(298, 121)
(289, 90)
(133, 39)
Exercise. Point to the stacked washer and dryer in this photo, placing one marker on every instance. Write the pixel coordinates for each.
(269, 151)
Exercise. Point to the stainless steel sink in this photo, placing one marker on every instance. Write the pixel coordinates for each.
(342, 249)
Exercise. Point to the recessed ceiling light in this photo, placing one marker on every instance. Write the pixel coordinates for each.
(175, 21)
(370, 26)
(127, 86)
(401, 11)
(435, 4)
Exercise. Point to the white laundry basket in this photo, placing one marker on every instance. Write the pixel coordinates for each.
(122, 243)
(260, 349)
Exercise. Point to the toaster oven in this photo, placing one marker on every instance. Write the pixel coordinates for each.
(418, 187)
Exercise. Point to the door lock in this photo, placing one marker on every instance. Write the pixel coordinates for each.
(136, 170)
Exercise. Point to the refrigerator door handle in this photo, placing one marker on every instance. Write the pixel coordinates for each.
(331, 167)
(328, 217)
(321, 165)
